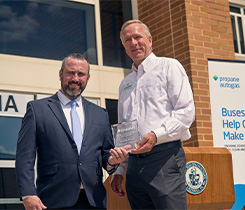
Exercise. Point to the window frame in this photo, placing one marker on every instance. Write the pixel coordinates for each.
(241, 15)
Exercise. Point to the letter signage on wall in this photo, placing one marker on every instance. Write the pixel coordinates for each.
(227, 97)
(14, 104)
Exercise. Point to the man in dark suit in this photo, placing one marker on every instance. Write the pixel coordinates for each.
(69, 170)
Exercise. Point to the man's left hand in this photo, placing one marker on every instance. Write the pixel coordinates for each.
(118, 155)
(146, 144)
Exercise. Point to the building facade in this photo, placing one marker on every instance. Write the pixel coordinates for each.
(36, 35)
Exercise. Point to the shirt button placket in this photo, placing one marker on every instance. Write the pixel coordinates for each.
(136, 102)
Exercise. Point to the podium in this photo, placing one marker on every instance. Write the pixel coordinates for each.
(219, 192)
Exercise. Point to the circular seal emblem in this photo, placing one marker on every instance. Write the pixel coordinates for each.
(195, 177)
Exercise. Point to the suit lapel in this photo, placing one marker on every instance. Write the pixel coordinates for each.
(55, 106)
(88, 118)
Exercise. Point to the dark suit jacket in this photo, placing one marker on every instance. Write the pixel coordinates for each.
(60, 170)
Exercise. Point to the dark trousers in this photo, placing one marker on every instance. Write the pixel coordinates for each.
(156, 180)
(82, 203)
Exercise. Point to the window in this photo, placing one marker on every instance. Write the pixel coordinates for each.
(113, 15)
(47, 29)
(9, 128)
(111, 106)
(53, 29)
(12, 110)
(238, 28)
(9, 196)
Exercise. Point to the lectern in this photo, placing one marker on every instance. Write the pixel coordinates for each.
(219, 191)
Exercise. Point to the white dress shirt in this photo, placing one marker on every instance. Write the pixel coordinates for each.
(66, 107)
(158, 95)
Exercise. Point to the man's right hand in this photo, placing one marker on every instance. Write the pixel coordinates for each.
(33, 202)
(116, 184)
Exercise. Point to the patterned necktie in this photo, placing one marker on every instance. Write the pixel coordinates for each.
(76, 126)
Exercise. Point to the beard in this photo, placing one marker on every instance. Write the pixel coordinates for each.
(71, 92)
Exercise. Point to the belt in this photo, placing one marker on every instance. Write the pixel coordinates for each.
(159, 148)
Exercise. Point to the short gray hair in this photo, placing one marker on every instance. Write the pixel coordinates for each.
(129, 22)
(77, 56)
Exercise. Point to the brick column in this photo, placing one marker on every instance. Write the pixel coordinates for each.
(192, 31)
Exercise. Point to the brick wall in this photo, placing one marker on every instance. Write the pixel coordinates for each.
(192, 31)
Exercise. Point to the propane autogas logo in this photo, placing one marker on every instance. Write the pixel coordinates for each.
(227, 82)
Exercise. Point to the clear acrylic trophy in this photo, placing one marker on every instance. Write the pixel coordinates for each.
(126, 133)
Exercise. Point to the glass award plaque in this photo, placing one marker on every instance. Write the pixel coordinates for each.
(126, 133)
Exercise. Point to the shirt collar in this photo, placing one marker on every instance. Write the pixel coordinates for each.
(146, 64)
(65, 101)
